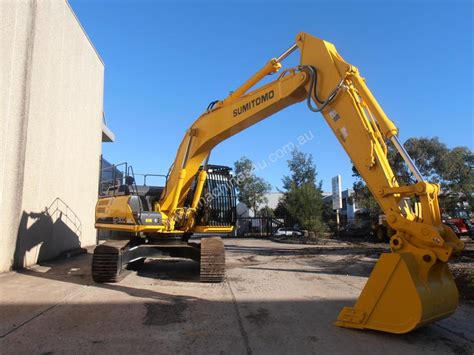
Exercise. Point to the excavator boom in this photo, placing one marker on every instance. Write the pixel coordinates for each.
(410, 286)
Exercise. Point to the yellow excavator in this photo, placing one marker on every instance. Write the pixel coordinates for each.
(408, 288)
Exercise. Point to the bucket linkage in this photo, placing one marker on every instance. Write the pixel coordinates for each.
(412, 286)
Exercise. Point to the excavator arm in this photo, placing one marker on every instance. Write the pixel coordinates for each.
(409, 287)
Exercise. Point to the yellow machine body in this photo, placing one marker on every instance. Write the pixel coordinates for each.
(409, 287)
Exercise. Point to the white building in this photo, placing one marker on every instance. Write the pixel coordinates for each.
(51, 129)
(273, 198)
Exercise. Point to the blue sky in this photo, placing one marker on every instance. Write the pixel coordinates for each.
(166, 60)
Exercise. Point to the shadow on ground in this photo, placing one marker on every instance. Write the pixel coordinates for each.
(153, 320)
(182, 270)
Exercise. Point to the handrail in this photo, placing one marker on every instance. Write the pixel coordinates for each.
(67, 212)
(126, 171)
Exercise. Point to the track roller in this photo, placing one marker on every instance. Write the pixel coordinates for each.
(212, 260)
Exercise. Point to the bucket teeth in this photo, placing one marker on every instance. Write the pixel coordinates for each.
(212, 260)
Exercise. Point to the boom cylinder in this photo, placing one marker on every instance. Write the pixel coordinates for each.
(179, 187)
(199, 186)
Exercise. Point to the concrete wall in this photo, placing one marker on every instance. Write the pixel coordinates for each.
(51, 103)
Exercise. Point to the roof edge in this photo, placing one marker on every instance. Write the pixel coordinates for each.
(84, 31)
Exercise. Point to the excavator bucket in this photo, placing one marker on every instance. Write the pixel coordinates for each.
(402, 294)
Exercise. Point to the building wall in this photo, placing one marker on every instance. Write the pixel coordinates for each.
(51, 102)
(272, 200)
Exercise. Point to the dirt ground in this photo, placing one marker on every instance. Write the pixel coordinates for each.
(462, 267)
(278, 298)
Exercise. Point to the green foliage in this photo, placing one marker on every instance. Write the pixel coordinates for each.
(329, 217)
(251, 189)
(457, 178)
(302, 201)
(266, 211)
(302, 169)
(451, 168)
(365, 200)
(428, 155)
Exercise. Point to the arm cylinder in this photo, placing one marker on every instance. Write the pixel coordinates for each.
(287, 53)
(271, 67)
(411, 165)
(387, 127)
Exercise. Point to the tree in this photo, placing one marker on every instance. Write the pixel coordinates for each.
(302, 169)
(457, 178)
(302, 200)
(451, 168)
(251, 189)
(428, 155)
(365, 200)
(266, 211)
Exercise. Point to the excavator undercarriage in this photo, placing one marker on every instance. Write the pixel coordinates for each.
(113, 256)
(130, 248)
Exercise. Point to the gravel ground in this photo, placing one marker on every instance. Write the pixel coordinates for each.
(277, 299)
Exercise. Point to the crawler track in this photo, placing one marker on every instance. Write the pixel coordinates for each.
(212, 260)
(109, 258)
(107, 262)
(104, 268)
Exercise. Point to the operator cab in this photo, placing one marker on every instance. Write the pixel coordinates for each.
(217, 206)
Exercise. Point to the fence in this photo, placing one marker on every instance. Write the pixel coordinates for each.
(257, 226)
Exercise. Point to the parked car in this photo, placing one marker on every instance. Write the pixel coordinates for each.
(288, 231)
